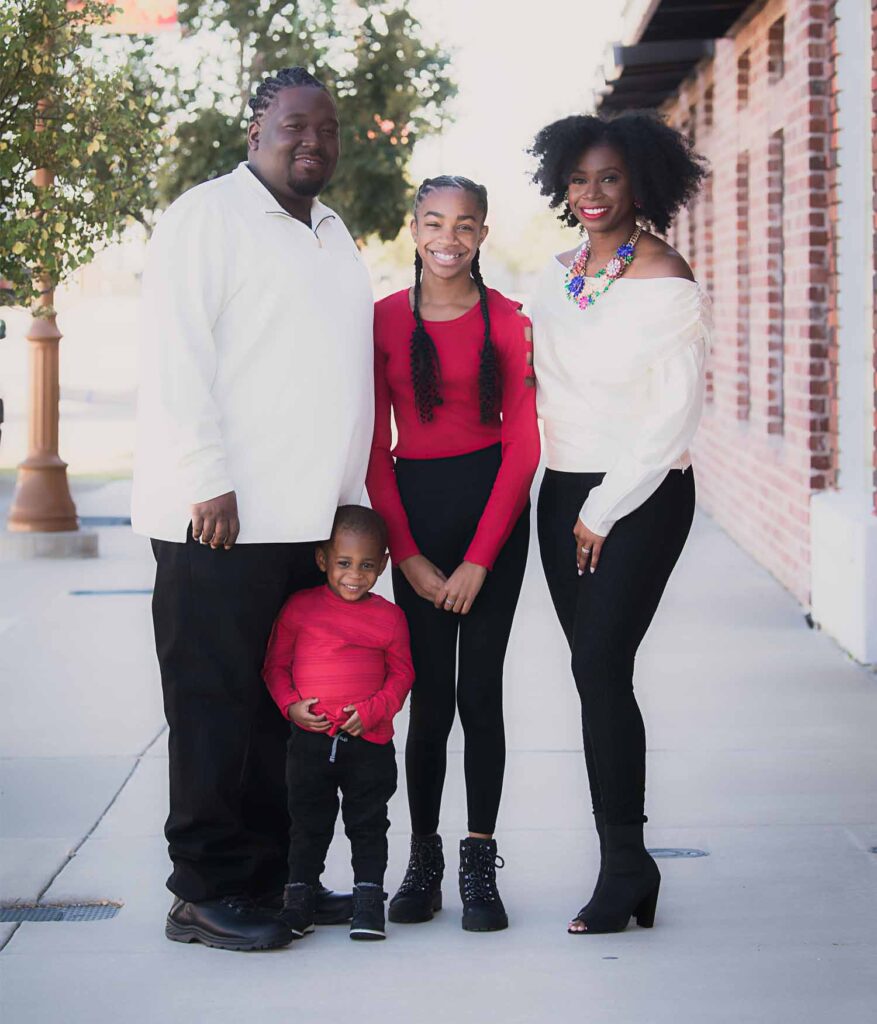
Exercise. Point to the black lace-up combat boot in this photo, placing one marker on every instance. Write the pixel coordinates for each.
(420, 893)
(482, 907)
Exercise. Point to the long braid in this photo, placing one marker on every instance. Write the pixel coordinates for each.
(425, 369)
(488, 373)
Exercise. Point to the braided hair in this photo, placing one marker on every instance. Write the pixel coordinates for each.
(286, 78)
(425, 368)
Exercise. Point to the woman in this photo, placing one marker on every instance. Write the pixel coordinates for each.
(451, 362)
(621, 337)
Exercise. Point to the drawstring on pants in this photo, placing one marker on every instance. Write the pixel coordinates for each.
(338, 736)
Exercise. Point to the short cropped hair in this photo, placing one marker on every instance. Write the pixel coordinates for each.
(361, 520)
(285, 78)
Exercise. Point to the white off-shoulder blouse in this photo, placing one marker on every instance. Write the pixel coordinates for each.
(620, 386)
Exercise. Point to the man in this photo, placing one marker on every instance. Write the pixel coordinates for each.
(255, 299)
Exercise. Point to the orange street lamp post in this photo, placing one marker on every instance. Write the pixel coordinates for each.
(42, 500)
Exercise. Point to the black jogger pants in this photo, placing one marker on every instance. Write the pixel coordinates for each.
(318, 768)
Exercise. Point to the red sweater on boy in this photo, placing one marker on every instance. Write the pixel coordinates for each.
(344, 653)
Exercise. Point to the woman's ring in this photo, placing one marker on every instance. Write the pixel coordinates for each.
(450, 601)
(586, 551)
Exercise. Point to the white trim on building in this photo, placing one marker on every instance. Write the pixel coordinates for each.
(843, 525)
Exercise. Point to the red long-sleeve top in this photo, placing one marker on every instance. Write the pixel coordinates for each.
(342, 652)
(456, 427)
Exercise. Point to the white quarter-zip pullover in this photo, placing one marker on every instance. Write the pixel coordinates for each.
(256, 368)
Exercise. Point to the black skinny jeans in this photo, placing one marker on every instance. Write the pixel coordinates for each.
(605, 616)
(444, 499)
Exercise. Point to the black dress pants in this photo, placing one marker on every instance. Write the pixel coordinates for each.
(318, 767)
(228, 827)
(444, 500)
(605, 616)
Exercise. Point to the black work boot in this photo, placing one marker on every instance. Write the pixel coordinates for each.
(367, 923)
(420, 893)
(298, 908)
(482, 907)
(231, 922)
(628, 886)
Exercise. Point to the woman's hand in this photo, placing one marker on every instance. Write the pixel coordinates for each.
(425, 578)
(588, 547)
(459, 592)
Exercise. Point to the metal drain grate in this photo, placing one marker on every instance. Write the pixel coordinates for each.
(106, 593)
(677, 851)
(60, 912)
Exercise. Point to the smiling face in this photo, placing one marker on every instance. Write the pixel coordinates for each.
(352, 562)
(448, 228)
(294, 145)
(600, 190)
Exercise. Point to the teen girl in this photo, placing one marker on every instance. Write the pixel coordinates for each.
(451, 362)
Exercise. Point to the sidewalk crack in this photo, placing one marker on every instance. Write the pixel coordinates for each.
(137, 760)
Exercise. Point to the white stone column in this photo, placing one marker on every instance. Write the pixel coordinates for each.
(843, 524)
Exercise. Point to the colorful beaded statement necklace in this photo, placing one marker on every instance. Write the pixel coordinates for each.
(585, 291)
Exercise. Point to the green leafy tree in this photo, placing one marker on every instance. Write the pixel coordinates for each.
(65, 110)
(390, 86)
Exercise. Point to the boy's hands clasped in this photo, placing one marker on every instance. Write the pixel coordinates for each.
(301, 714)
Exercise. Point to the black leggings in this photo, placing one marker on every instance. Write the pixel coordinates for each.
(444, 499)
(605, 616)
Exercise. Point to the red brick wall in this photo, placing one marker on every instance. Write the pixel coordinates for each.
(765, 251)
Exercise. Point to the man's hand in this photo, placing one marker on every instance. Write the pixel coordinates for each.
(424, 577)
(215, 522)
(353, 725)
(459, 592)
(300, 713)
(588, 547)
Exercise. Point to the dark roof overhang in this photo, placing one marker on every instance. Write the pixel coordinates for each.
(677, 35)
(651, 72)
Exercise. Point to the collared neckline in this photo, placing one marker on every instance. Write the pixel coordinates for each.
(243, 175)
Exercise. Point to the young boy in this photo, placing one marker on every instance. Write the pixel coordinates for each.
(339, 668)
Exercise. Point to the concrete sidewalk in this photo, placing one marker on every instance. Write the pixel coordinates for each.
(761, 753)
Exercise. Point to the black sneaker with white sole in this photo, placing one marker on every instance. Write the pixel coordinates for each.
(368, 912)
(231, 922)
(330, 905)
(298, 908)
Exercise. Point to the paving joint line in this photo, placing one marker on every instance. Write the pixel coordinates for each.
(137, 760)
